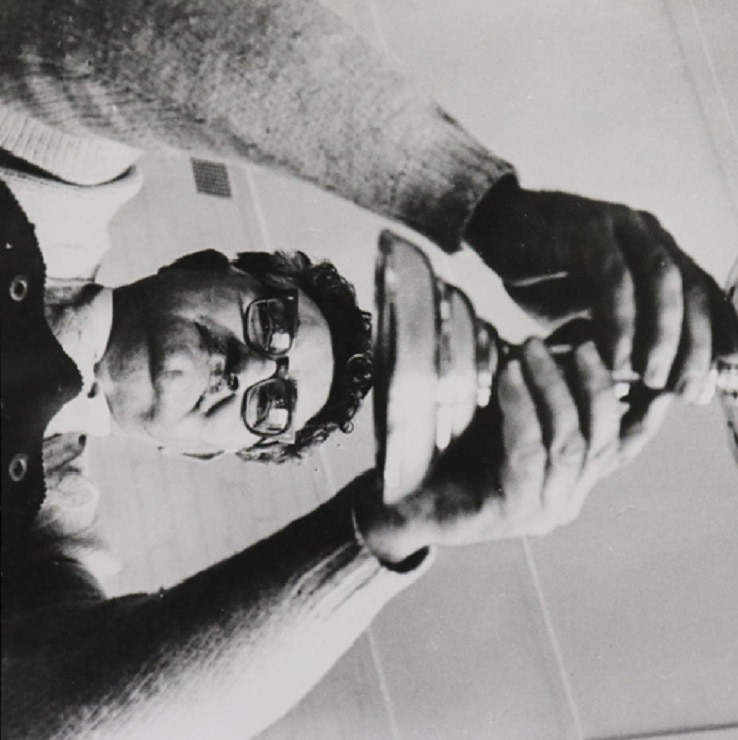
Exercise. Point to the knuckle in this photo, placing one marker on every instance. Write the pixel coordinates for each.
(568, 449)
(666, 272)
(696, 295)
(603, 457)
(527, 457)
(615, 269)
(648, 221)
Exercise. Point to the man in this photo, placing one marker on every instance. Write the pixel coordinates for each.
(247, 637)
(287, 84)
(267, 85)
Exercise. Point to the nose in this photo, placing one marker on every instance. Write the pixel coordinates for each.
(250, 368)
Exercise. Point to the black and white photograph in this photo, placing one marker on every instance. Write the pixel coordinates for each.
(369, 369)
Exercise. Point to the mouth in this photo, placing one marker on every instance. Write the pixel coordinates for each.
(222, 359)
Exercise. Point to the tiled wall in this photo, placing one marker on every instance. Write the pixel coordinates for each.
(622, 625)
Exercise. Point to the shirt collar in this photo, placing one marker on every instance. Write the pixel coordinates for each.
(80, 315)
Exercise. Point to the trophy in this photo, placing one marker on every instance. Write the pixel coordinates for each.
(436, 360)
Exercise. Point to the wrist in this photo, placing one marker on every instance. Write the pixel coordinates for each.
(493, 213)
(391, 539)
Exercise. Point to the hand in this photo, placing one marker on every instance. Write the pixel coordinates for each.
(526, 463)
(654, 310)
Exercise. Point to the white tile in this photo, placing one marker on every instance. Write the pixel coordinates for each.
(466, 654)
(642, 589)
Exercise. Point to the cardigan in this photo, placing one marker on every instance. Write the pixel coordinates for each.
(247, 636)
(87, 84)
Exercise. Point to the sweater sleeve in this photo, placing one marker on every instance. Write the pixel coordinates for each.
(242, 641)
(280, 82)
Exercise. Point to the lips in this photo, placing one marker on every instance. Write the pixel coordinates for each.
(222, 360)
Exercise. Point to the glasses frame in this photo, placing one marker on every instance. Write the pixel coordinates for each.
(281, 374)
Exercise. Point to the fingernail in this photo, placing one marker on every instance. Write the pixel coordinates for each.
(623, 366)
(514, 372)
(688, 389)
(654, 378)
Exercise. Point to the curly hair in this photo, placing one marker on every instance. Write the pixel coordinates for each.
(351, 336)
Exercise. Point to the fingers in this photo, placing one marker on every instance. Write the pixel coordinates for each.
(694, 359)
(683, 320)
(523, 465)
(527, 463)
(599, 409)
(560, 435)
(659, 295)
(614, 310)
(558, 416)
(643, 419)
(725, 324)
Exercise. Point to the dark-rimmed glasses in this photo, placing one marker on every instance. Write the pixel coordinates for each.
(269, 329)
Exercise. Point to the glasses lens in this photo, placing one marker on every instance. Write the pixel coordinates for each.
(270, 324)
(268, 407)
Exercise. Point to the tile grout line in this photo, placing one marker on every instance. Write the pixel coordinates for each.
(716, 147)
(258, 212)
(713, 73)
(674, 733)
(383, 687)
(553, 640)
(373, 647)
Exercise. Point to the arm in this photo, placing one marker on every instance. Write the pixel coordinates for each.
(246, 638)
(655, 311)
(243, 640)
(285, 83)
(280, 82)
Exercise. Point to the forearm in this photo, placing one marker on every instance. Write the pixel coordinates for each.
(281, 82)
(243, 640)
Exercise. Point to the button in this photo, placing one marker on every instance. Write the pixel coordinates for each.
(18, 467)
(19, 288)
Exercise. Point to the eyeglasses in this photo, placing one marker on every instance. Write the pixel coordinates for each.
(269, 328)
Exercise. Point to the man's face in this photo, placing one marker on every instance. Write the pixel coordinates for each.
(175, 338)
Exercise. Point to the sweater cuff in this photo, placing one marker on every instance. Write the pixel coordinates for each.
(412, 562)
(445, 175)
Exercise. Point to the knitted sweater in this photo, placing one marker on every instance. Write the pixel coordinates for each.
(279, 82)
(84, 86)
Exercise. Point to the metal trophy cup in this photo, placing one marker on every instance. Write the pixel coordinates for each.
(435, 363)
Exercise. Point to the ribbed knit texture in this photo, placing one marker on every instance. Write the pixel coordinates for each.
(228, 651)
(280, 82)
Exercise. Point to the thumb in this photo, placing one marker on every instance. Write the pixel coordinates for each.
(725, 321)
